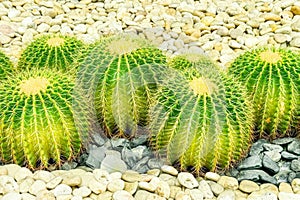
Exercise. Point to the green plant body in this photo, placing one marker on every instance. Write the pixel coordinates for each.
(51, 51)
(6, 66)
(272, 77)
(202, 117)
(36, 119)
(119, 73)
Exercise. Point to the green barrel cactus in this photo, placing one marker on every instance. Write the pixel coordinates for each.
(51, 51)
(118, 76)
(36, 119)
(202, 118)
(272, 77)
(6, 66)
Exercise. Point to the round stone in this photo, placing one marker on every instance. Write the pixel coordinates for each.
(248, 186)
(122, 195)
(169, 170)
(62, 189)
(212, 176)
(229, 182)
(37, 186)
(115, 185)
(82, 191)
(187, 180)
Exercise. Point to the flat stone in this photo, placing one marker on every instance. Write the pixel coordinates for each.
(283, 141)
(122, 195)
(216, 188)
(252, 162)
(274, 155)
(155, 163)
(12, 196)
(288, 156)
(285, 187)
(62, 189)
(257, 147)
(272, 147)
(131, 187)
(212, 176)
(23, 173)
(71, 180)
(54, 182)
(105, 196)
(37, 186)
(256, 175)
(269, 188)
(131, 176)
(227, 195)
(113, 163)
(295, 165)
(151, 186)
(294, 147)
(289, 196)
(97, 187)
(83, 191)
(271, 166)
(282, 175)
(8, 184)
(187, 180)
(248, 186)
(25, 184)
(43, 176)
(115, 185)
(163, 189)
(205, 188)
(141, 165)
(228, 182)
(169, 170)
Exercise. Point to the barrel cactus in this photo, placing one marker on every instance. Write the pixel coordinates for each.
(202, 118)
(6, 66)
(272, 77)
(37, 127)
(118, 77)
(51, 51)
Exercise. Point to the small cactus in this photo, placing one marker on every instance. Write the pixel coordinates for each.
(202, 118)
(51, 51)
(6, 66)
(36, 120)
(272, 77)
(119, 72)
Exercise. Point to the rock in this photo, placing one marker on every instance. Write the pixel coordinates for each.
(285, 187)
(288, 156)
(295, 165)
(42, 28)
(131, 187)
(155, 163)
(171, 180)
(25, 184)
(283, 141)
(8, 184)
(12, 196)
(256, 175)
(163, 189)
(289, 196)
(296, 185)
(54, 182)
(3, 171)
(151, 186)
(234, 33)
(274, 155)
(282, 176)
(228, 182)
(113, 163)
(27, 196)
(62, 189)
(222, 31)
(105, 196)
(141, 166)
(270, 165)
(295, 42)
(115, 185)
(271, 17)
(257, 147)
(215, 187)
(295, 10)
(22, 174)
(269, 188)
(43, 176)
(122, 195)
(262, 195)
(169, 170)
(252, 162)
(143, 195)
(195, 194)
(234, 44)
(187, 180)
(71, 179)
(97, 187)
(294, 147)
(83, 191)
(4, 39)
(212, 176)
(248, 186)
(227, 195)
(37, 186)
(131, 176)
(272, 147)
(205, 190)
(296, 25)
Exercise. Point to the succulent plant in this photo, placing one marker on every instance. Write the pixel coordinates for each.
(6, 66)
(118, 76)
(272, 77)
(202, 117)
(51, 51)
(36, 119)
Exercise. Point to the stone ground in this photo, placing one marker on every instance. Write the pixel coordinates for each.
(220, 29)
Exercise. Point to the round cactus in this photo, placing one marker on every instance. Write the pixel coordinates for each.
(272, 77)
(37, 127)
(51, 51)
(6, 66)
(202, 118)
(118, 77)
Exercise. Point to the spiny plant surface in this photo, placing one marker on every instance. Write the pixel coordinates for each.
(36, 118)
(202, 118)
(272, 77)
(117, 76)
(51, 51)
(6, 66)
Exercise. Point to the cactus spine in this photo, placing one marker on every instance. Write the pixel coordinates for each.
(119, 71)
(202, 117)
(272, 77)
(36, 119)
(51, 51)
(6, 66)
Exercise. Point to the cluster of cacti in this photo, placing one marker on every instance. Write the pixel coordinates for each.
(6, 66)
(272, 77)
(202, 117)
(37, 126)
(119, 73)
(51, 51)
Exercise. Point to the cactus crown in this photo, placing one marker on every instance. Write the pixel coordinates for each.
(272, 79)
(37, 123)
(51, 51)
(204, 112)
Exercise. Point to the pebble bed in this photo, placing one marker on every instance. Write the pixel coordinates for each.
(121, 169)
